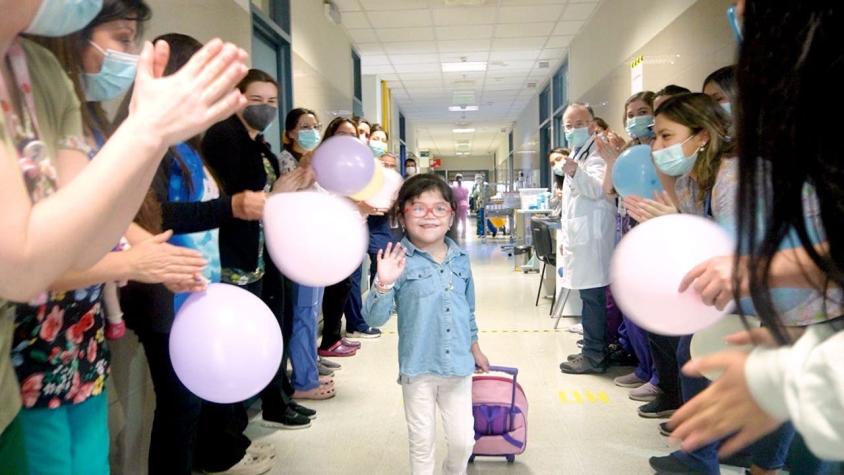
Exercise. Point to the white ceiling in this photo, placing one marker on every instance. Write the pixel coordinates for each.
(405, 41)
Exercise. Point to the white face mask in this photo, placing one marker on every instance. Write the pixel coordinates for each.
(410, 171)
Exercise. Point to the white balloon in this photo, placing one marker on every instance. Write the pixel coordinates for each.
(712, 340)
(651, 261)
(315, 238)
(387, 194)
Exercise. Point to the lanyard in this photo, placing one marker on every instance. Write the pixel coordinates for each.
(17, 64)
(33, 157)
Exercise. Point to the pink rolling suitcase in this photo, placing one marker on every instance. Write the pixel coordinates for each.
(500, 409)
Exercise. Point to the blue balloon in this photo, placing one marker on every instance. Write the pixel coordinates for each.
(634, 173)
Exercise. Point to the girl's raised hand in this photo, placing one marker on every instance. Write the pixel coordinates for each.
(391, 263)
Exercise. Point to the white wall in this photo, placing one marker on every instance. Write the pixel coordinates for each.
(616, 30)
(683, 51)
(474, 162)
(226, 19)
(322, 62)
(371, 97)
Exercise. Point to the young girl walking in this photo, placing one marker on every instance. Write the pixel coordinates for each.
(429, 279)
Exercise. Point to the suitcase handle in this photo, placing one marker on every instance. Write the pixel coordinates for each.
(513, 372)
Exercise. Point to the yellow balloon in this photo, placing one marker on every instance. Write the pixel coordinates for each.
(374, 184)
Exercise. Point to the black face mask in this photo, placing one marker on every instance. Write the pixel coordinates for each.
(260, 116)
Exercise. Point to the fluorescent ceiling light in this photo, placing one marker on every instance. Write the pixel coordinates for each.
(463, 131)
(462, 108)
(464, 66)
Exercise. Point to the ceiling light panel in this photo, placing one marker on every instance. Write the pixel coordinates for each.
(463, 131)
(463, 108)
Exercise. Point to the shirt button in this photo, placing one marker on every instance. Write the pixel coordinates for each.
(448, 329)
(447, 351)
(447, 309)
(441, 271)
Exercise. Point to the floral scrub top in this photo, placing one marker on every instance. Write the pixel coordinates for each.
(796, 307)
(58, 349)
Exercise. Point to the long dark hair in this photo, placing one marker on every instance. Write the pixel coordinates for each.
(69, 50)
(783, 137)
(182, 48)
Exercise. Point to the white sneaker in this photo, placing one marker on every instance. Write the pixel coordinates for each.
(265, 449)
(576, 329)
(250, 464)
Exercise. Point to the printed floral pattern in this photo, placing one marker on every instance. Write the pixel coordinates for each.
(59, 350)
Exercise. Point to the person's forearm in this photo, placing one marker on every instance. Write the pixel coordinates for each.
(795, 268)
(80, 223)
(113, 267)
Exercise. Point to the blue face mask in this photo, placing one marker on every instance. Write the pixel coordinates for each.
(378, 148)
(733, 20)
(577, 137)
(672, 161)
(727, 107)
(308, 139)
(639, 127)
(115, 76)
(63, 17)
(558, 169)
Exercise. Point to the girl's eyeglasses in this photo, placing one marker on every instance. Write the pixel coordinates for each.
(418, 210)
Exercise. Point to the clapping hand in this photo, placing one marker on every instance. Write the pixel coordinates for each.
(643, 209)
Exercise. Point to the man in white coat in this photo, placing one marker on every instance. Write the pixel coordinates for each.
(588, 236)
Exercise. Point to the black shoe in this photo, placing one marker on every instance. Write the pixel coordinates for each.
(664, 430)
(669, 465)
(659, 408)
(618, 356)
(573, 356)
(309, 413)
(580, 343)
(289, 420)
(581, 365)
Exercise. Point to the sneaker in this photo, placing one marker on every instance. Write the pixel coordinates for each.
(324, 371)
(664, 430)
(265, 449)
(338, 349)
(581, 365)
(669, 465)
(580, 343)
(659, 408)
(329, 364)
(250, 464)
(628, 381)
(367, 332)
(578, 328)
(289, 420)
(115, 331)
(645, 393)
(350, 343)
(618, 356)
(300, 409)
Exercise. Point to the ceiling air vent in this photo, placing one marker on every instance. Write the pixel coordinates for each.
(463, 3)
(544, 64)
(531, 85)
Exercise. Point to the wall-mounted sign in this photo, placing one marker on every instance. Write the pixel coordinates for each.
(637, 74)
(436, 163)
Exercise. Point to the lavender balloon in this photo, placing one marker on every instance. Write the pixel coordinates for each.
(343, 165)
(225, 344)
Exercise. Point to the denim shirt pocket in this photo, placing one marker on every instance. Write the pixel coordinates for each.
(460, 278)
(419, 281)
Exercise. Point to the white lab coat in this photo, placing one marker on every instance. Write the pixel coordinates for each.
(588, 223)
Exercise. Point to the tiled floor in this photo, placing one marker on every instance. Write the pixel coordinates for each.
(362, 430)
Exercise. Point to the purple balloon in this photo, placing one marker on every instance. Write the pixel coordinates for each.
(343, 165)
(225, 344)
